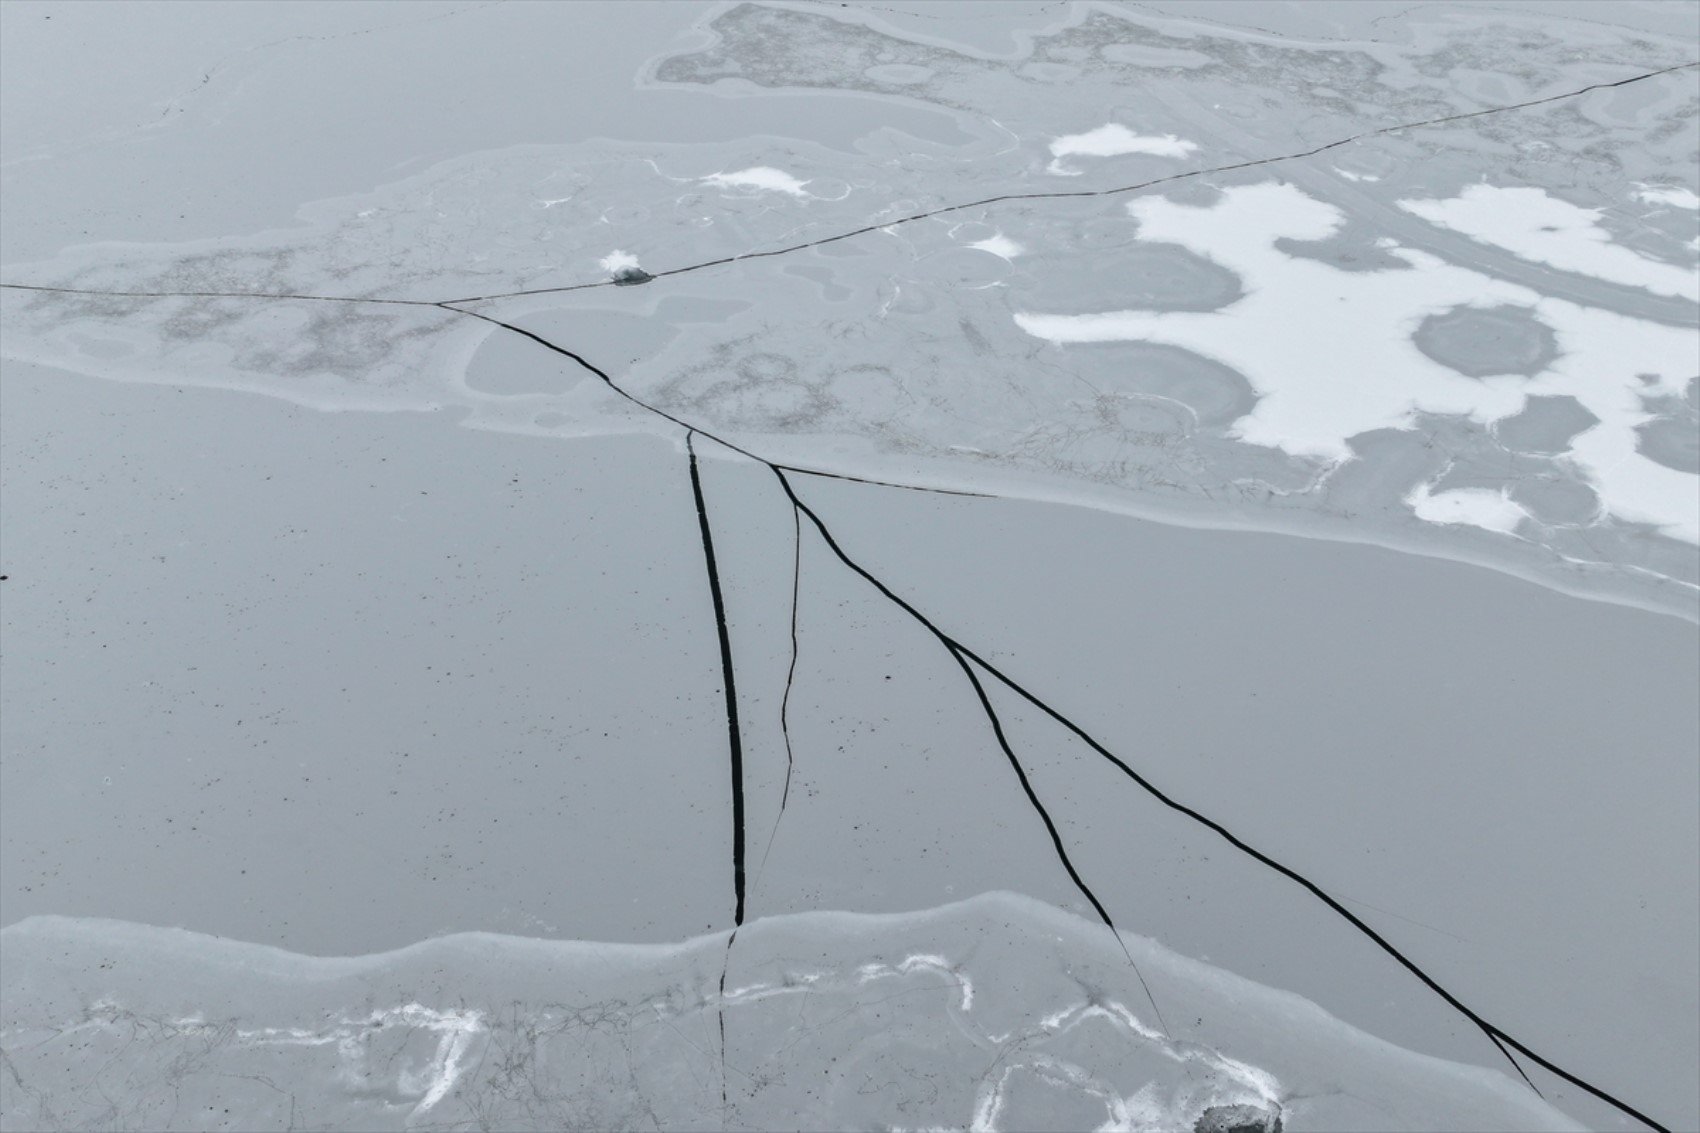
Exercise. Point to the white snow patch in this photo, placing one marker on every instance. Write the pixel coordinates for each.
(1350, 176)
(1477, 507)
(1331, 354)
(1113, 140)
(1533, 225)
(1668, 195)
(618, 261)
(999, 245)
(758, 177)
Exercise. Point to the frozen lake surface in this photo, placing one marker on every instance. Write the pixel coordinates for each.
(993, 566)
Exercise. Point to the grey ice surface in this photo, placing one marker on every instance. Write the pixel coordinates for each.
(368, 623)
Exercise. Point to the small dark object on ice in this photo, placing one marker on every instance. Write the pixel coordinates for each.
(631, 277)
(1238, 1119)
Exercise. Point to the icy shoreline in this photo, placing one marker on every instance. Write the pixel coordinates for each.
(996, 1004)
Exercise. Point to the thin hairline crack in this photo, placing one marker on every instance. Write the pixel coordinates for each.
(969, 660)
(1060, 194)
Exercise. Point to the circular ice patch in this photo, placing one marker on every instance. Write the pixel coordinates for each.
(1479, 342)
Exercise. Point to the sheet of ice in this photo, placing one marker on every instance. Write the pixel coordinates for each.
(1115, 140)
(1534, 225)
(1008, 1010)
(1332, 355)
(759, 177)
(939, 373)
(978, 411)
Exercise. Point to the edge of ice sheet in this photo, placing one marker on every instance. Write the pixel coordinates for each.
(989, 1006)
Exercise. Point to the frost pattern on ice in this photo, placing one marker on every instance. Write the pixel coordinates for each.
(960, 1017)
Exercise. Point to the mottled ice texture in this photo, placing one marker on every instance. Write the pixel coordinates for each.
(1468, 332)
(1225, 366)
(998, 1013)
(1332, 354)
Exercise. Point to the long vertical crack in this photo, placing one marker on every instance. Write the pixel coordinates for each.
(1496, 1035)
(734, 739)
(790, 682)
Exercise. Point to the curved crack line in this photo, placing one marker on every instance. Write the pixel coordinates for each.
(220, 295)
(888, 483)
(449, 305)
(790, 680)
(1060, 194)
(1499, 1037)
(688, 426)
(1051, 826)
(734, 743)
(734, 739)
(1495, 1034)
(1075, 194)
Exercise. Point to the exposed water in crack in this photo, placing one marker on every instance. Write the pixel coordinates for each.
(1238, 426)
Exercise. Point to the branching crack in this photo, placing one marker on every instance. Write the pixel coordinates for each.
(971, 662)
(1051, 826)
(1495, 1034)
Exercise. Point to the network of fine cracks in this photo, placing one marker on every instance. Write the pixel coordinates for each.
(972, 663)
